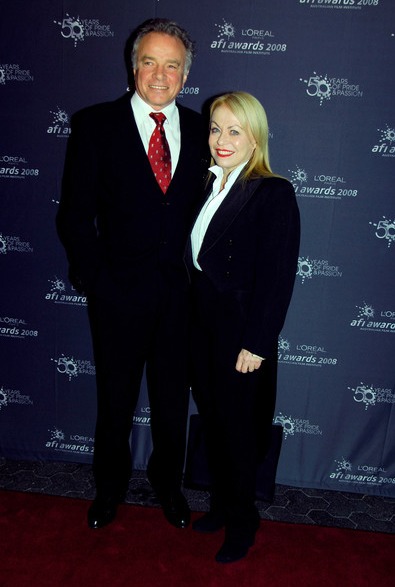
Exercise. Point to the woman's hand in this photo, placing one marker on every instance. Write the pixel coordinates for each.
(247, 362)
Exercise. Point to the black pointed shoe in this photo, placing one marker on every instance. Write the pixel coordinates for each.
(176, 509)
(102, 512)
(174, 505)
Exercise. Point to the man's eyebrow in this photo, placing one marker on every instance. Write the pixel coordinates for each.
(173, 61)
(177, 61)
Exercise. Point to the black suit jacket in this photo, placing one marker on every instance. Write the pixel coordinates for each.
(250, 252)
(114, 221)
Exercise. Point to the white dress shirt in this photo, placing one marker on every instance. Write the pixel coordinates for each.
(146, 126)
(212, 204)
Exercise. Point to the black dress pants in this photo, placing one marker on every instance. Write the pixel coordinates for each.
(140, 327)
(236, 408)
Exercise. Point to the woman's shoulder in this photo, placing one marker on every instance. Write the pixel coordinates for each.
(277, 180)
(273, 183)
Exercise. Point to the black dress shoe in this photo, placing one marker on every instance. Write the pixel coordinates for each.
(209, 522)
(102, 512)
(176, 509)
(234, 548)
(175, 506)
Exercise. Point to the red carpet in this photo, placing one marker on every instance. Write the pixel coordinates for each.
(45, 542)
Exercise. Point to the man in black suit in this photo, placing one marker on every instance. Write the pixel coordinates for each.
(124, 235)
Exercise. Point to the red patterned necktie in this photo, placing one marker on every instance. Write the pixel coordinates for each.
(159, 152)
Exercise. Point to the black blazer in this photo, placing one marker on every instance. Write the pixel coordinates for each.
(250, 251)
(114, 221)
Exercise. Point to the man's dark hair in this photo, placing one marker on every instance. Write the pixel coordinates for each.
(167, 27)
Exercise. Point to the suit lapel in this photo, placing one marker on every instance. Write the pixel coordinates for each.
(229, 209)
(125, 133)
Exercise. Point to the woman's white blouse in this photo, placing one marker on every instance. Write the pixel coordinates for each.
(210, 207)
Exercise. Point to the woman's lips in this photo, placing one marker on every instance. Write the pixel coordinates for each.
(223, 153)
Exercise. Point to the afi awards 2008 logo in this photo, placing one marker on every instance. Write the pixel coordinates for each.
(246, 40)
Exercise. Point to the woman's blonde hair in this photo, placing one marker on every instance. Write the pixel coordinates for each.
(252, 117)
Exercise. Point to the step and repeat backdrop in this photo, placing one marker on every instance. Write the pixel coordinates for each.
(324, 70)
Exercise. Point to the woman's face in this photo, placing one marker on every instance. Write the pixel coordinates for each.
(230, 143)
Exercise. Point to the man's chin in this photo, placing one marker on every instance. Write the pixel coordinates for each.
(159, 99)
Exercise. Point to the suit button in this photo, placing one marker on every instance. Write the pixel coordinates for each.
(163, 242)
(230, 258)
(230, 242)
(227, 274)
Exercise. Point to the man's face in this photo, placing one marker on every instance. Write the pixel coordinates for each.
(159, 74)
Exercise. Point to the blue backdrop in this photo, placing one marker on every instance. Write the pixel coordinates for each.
(324, 70)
